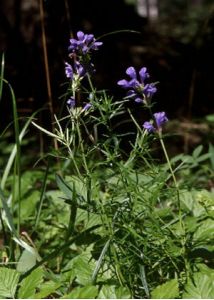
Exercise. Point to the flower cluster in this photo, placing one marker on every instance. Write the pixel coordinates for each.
(160, 119)
(79, 51)
(142, 92)
(83, 44)
(137, 86)
(137, 89)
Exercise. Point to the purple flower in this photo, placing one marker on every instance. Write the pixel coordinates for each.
(83, 44)
(136, 86)
(71, 102)
(160, 118)
(149, 127)
(149, 90)
(68, 71)
(87, 106)
(77, 69)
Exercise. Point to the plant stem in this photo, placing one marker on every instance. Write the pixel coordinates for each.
(182, 225)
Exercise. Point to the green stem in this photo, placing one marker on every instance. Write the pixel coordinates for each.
(182, 225)
(82, 149)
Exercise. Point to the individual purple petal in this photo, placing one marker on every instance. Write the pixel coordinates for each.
(80, 35)
(89, 38)
(95, 45)
(131, 72)
(149, 127)
(160, 118)
(71, 102)
(143, 74)
(124, 83)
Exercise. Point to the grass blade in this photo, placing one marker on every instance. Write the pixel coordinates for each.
(2, 75)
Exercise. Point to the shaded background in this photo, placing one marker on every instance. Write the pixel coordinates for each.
(175, 41)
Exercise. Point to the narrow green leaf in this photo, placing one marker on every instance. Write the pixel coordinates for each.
(14, 151)
(99, 262)
(30, 283)
(211, 151)
(168, 290)
(45, 131)
(2, 75)
(9, 218)
(8, 282)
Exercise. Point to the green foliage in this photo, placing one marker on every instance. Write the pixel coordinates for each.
(8, 282)
(29, 284)
(201, 285)
(168, 290)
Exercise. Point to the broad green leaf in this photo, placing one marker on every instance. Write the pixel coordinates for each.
(29, 204)
(205, 231)
(122, 293)
(30, 283)
(168, 290)
(8, 282)
(86, 292)
(80, 186)
(201, 288)
(64, 186)
(46, 289)
(189, 201)
(107, 292)
(26, 261)
(83, 269)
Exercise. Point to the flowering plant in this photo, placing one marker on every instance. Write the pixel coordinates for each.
(92, 148)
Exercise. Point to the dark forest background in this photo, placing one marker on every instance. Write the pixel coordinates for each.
(176, 45)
